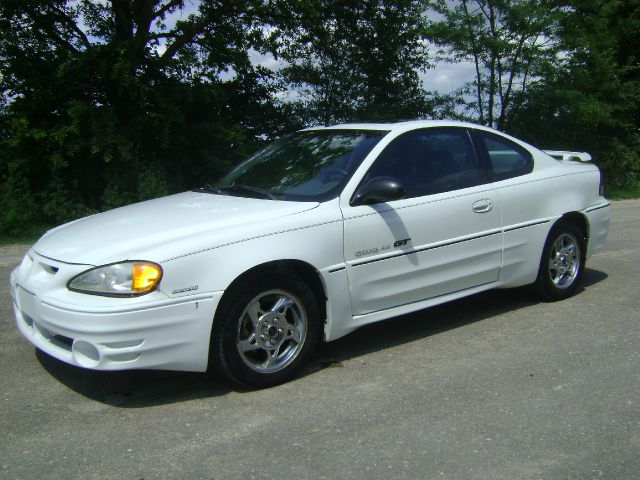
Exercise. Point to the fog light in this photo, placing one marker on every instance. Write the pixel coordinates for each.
(85, 353)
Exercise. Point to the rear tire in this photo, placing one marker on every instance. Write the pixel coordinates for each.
(562, 262)
(265, 329)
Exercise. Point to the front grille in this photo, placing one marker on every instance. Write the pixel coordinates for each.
(60, 341)
(27, 319)
(64, 340)
(50, 269)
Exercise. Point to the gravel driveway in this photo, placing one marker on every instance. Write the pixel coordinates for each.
(496, 386)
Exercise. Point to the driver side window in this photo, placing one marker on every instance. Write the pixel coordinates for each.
(429, 161)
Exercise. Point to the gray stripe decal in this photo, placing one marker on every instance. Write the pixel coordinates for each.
(424, 249)
(532, 224)
(597, 207)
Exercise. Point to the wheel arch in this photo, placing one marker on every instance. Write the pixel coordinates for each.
(575, 218)
(579, 220)
(301, 269)
(543, 282)
(224, 354)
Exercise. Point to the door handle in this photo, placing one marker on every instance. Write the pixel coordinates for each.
(482, 206)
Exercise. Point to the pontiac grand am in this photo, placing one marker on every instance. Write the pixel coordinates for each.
(315, 235)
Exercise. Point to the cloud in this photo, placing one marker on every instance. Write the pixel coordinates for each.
(446, 77)
(266, 60)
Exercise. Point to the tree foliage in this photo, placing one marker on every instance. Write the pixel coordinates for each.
(590, 98)
(108, 102)
(508, 42)
(353, 60)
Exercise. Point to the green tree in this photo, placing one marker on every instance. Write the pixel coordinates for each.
(353, 61)
(590, 99)
(105, 103)
(507, 41)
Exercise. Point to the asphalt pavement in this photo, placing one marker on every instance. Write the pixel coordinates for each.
(495, 386)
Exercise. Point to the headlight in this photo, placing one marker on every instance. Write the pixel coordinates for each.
(126, 279)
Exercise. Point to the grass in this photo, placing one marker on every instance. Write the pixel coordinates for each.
(622, 193)
(27, 236)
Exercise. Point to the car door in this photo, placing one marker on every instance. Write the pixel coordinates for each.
(444, 236)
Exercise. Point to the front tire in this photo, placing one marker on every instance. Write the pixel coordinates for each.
(562, 263)
(265, 329)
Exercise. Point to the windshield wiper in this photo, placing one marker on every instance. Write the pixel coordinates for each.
(210, 188)
(246, 188)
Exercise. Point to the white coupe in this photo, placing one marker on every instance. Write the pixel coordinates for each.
(317, 234)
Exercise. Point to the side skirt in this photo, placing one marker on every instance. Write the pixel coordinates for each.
(372, 317)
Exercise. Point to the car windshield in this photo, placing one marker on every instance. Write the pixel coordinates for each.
(305, 166)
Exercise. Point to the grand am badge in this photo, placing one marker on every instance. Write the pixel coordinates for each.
(373, 251)
(192, 288)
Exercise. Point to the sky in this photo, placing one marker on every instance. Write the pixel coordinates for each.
(443, 78)
(446, 77)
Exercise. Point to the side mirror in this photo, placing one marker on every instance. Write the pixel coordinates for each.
(379, 190)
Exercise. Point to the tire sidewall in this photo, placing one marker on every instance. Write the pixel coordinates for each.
(544, 283)
(223, 350)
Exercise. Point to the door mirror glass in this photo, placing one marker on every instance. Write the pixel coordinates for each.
(379, 190)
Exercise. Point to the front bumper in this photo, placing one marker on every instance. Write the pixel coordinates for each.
(167, 334)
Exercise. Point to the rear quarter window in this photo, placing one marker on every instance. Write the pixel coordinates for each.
(506, 158)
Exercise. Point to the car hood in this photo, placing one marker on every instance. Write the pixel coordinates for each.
(154, 228)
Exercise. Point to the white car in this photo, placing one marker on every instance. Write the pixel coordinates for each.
(317, 234)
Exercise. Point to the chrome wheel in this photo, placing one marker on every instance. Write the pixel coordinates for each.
(271, 331)
(564, 261)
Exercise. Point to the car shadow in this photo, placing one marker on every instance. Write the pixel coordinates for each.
(136, 388)
(144, 388)
(431, 321)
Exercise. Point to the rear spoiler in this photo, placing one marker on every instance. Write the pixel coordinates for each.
(564, 155)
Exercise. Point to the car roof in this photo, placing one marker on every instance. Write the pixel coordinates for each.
(402, 126)
(398, 128)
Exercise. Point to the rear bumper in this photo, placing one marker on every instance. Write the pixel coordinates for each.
(170, 335)
(599, 217)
